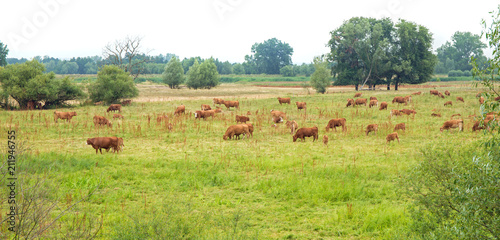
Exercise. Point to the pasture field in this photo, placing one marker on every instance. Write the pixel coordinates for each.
(189, 183)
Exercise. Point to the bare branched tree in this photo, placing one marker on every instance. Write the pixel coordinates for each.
(127, 54)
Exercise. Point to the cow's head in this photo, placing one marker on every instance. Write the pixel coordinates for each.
(225, 137)
(294, 138)
(90, 141)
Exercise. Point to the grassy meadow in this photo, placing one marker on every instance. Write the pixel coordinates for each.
(189, 183)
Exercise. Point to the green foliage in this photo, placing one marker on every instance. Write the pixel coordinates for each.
(238, 69)
(321, 77)
(287, 71)
(203, 75)
(455, 73)
(26, 82)
(457, 54)
(111, 85)
(269, 57)
(174, 73)
(3, 54)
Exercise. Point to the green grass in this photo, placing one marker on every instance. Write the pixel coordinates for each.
(189, 183)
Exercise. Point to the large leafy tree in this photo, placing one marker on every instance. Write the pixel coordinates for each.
(174, 73)
(270, 56)
(203, 75)
(456, 55)
(27, 82)
(3, 54)
(112, 84)
(321, 78)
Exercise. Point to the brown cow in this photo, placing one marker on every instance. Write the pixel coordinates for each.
(383, 105)
(434, 92)
(100, 120)
(126, 102)
(218, 101)
(250, 130)
(447, 93)
(64, 115)
(358, 94)
(408, 111)
(162, 118)
(336, 122)
(283, 100)
(180, 109)
(99, 143)
(392, 136)
(205, 107)
(399, 100)
(395, 112)
(460, 99)
(276, 113)
(448, 103)
(416, 93)
(440, 95)
(277, 119)
(373, 103)
(458, 123)
(236, 130)
(481, 100)
(292, 125)
(373, 98)
(218, 110)
(242, 119)
(302, 133)
(114, 107)
(325, 140)
(117, 115)
(360, 101)
(350, 102)
(204, 114)
(230, 104)
(408, 99)
(400, 126)
(436, 115)
(301, 105)
(371, 128)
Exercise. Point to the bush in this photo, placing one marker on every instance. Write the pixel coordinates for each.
(455, 73)
(287, 71)
(111, 85)
(203, 75)
(321, 77)
(173, 75)
(467, 73)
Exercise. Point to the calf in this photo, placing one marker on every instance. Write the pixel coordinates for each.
(336, 122)
(458, 123)
(204, 114)
(360, 101)
(302, 133)
(230, 104)
(476, 126)
(399, 100)
(114, 107)
(436, 115)
(371, 128)
(180, 109)
(434, 92)
(117, 115)
(101, 121)
(373, 103)
(236, 130)
(276, 113)
(358, 94)
(460, 99)
(448, 103)
(440, 95)
(300, 105)
(395, 112)
(416, 93)
(383, 105)
(126, 102)
(242, 119)
(447, 93)
(277, 119)
(325, 140)
(283, 100)
(64, 115)
(205, 107)
(400, 126)
(408, 111)
(392, 136)
(350, 102)
(292, 125)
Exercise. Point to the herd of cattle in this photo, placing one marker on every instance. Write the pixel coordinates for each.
(246, 129)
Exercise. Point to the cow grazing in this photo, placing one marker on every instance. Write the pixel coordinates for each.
(373, 98)
(416, 93)
(408, 111)
(250, 129)
(400, 126)
(371, 128)
(236, 130)
(283, 100)
(399, 100)
(162, 118)
(204, 114)
(395, 112)
(460, 99)
(477, 126)
(325, 140)
(302, 133)
(458, 123)
(114, 107)
(408, 99)
(373, 103)
(277, 119)
(126, 102)
(434, 92)
(383, 105)
(436, 115)
(350, 102)
(99, 143)
(301, 105)
(391, 137)
(180, 109)
(447, 93)
(218, 101)
(218, 110)
(360, 101)
(292, 125)
(117, 115)
(242, 119)
(448, 103)
(358, 94)
(64, 115)
(481, 100)
(276, 113)
(230, 104)
(102, 121)
(205, 107)
(336, 122)
(440, 95)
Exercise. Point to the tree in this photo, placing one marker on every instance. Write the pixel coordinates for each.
(3, 54)
(127, 54)
(173, 75)
(270, 56)
(287, 71)
(112, 84)
(203, 75)
(463, 46)
(321, 78)
(27, 82)
(238, 69)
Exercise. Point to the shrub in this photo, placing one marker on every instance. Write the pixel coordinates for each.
(173, 75)
(455, 73)
(287, 71)
(321, 77)
(203, 75)
(111, 85)
(467, 73)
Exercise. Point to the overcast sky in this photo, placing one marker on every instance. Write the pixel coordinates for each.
(224, 29)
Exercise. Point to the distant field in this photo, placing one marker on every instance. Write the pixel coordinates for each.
(191, 184)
